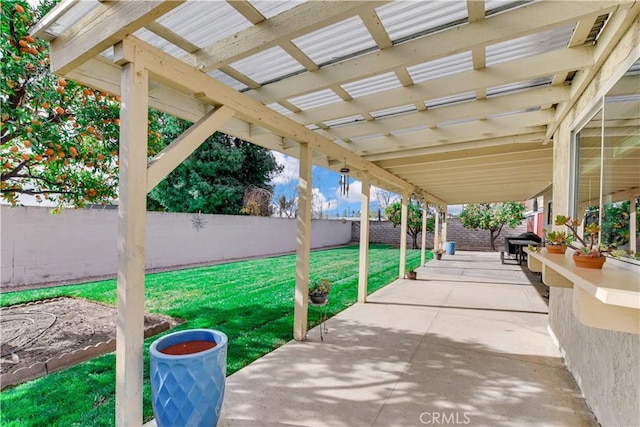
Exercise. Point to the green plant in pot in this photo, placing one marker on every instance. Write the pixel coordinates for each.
(318, 291)
(556, 242)
(439, 251)
(589, 255)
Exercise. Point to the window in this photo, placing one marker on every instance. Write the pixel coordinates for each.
(606, 165)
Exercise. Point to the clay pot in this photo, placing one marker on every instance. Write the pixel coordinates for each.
(318, 298)
(589, 261)
(556, 249)
(412, 275)
(438, 256)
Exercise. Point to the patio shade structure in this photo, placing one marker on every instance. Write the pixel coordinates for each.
(451, 102)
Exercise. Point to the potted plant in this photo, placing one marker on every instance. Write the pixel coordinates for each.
(319, 290)
(438, 253)
(556, 242)
(589, 255)
(411, 275)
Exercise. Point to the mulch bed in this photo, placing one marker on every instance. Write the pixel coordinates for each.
(50, 335)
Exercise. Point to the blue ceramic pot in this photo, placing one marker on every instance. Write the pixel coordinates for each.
(187, 389)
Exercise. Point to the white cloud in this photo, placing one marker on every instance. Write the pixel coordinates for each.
(290, 171)
(355, 192)
(320, 202)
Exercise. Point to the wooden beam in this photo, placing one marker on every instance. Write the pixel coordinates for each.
(132, 214)
(172, 37)
(102, 28)
(182, 147)
(486, 107)
(371, 20)
(181, 77)
(247, 10)
(519, 22)
(363, 265)
(303, 246)
(507, 72)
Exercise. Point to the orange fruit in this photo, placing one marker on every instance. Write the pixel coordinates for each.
(91, 129)
(100, 157)
(117, 122)
(30, 39)
(33, 51)
(60, 111)
(22, 43)
(48, 152)
(62, 82)
(38, 158)
(27, 143)
(14, 149)
(61, 154)
(59, 89)
(25, 156)
(45, 105)
(36, 122)
(19, 8)
(73, 151)
(86, 92)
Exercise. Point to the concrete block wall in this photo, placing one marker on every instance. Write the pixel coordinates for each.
(465, 239)
(37, 247)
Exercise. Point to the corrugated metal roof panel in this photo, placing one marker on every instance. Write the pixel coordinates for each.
(404, 19)
(228, 80)
(509, 113)
(441, 67)
(344, 121)
(407, 130)
(315, 99)
(268, 65)
(449, 100)
(393, 111)
(519, 86)
(204, 22)
(493, 7)
(336, 41)
(372, 85)
(533, 44)
(456, 121)
(271, 8)
(279, 108)
(159, 42)
(363, 137)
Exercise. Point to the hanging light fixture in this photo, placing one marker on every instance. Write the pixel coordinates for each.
(344, 180)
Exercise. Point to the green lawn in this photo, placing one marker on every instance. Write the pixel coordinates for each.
(251, 301)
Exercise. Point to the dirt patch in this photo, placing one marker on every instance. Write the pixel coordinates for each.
(50, 335)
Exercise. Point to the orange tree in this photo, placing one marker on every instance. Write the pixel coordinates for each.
(58, 139)
(414, 220)
(492, 217)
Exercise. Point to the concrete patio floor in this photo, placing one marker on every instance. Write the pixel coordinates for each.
(465, 344)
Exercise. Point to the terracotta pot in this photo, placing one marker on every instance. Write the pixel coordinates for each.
(438, 256)
(589, 261)
(556, 249)
(412, 275)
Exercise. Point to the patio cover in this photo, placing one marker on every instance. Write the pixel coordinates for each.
(452, 102)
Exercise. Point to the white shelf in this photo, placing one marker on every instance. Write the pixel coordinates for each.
(605, 299)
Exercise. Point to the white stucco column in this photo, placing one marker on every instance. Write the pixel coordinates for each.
(403, 232)
(633, 217)
(131, 244)
(363, 268)
(303, 246)
(423, 244)
(436, 229)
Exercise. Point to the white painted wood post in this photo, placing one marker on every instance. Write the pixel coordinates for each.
(303, 246)
(403, 233)
(132, 218)
(423, 244)
(436, 231)
(633, 215)
(363, 268)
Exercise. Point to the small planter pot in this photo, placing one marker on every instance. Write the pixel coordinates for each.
(188, 374)
(556, 249)
(438, 256)
(318, 298)
(588, 261)
(412, 275)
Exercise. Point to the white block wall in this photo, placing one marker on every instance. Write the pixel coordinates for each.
(37, 247)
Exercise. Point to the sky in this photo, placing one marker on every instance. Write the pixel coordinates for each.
(325, 188)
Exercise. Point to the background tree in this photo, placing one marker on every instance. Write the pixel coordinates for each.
(58, 140)
(492, 217)
(414, 219)
(214, 178)
(257, 201)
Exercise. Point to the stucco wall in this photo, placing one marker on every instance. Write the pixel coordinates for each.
(605, 364)
(37, 247)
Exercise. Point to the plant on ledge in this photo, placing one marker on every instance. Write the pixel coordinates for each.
(556, 242)
(589, 255)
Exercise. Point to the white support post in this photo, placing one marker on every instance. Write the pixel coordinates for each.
(423, 243)
(633, 218)
(436, 231)
(403, 233)
(132, 215)
(303, 247)
(445, 210)
(363, 268)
